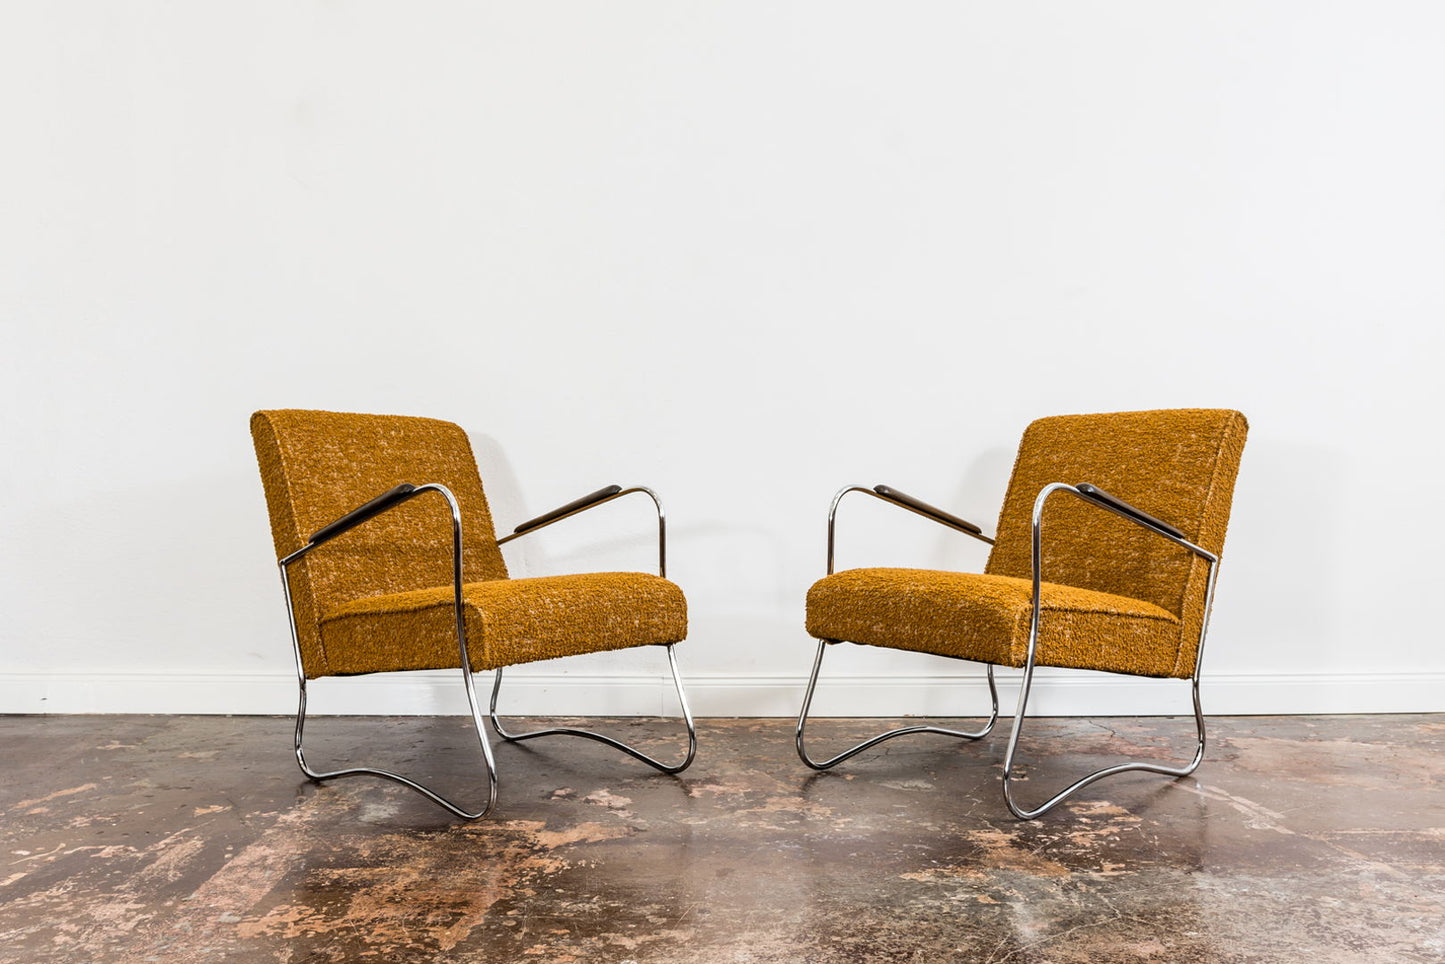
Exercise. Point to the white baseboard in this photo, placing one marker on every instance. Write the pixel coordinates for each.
(440, 693)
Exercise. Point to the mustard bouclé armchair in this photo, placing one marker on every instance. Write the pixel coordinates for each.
(390, 561)
(1118, 575)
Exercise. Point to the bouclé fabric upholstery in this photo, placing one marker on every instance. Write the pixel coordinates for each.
(1115, 596)
(509, 621)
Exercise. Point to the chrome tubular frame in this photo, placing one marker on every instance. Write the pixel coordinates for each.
(671, 656)
(798, 735)
(460, 616)
(1037, 553)
(833, 514)
(601, 738)
(661, 523)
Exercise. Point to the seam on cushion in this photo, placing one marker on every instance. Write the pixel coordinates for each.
(476, 639)
(1025, 614)
(467, 607)
(1166, 618)
(447, 601)
(1214, 475)
(1224, 437)
(296, 530)
(486, 503)
(1027, 603)
(1021, 633)
(289, 506)
(337, 617)
(998, 523)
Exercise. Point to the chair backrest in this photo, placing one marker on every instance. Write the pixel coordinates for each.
(317, 466)
(1178, 465)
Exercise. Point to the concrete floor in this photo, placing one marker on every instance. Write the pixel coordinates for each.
(178, 839)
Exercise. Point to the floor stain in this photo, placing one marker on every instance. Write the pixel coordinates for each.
(194, 839)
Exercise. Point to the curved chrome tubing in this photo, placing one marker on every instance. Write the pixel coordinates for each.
(671, 655)
(466, 664)
(838, 498)
(468, 680)
(425, 791)
(798, 739)
(600, 738)
(1079, 784)
(661, 523)
(1213, 562)
(798, 735)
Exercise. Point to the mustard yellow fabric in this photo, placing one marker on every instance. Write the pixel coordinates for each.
(986, 618)
(1179, 465)
(508, 621)
(317, 466)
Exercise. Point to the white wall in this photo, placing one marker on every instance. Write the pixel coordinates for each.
(745, 253)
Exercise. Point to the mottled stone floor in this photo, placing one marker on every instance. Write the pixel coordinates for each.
(176, 839)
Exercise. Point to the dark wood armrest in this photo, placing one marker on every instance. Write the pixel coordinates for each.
(363, 512)
(576, 505)
(923, 508)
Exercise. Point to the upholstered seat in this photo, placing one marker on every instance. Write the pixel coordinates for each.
(986, 618)
(508, 621)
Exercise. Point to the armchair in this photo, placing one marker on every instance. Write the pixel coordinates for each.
(382, 584)
(1128, 592)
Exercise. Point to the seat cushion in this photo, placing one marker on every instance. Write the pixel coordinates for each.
(986, 618)
(508, 621)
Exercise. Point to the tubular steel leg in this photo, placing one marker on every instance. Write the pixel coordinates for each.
(1059, 797)
(600, 738)
(902, 731)
(427, 792)
(1013, 740)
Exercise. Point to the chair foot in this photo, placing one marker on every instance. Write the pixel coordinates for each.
(601, 738)
(798, 738)
(1053, 801)
(425, 791)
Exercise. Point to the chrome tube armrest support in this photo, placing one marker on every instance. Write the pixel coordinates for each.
(363, 513)
(1095, 496)
(382, 503)
(1120, 508)
(1125, 511)
(370, 510)
(592, 501)
(894, 497)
